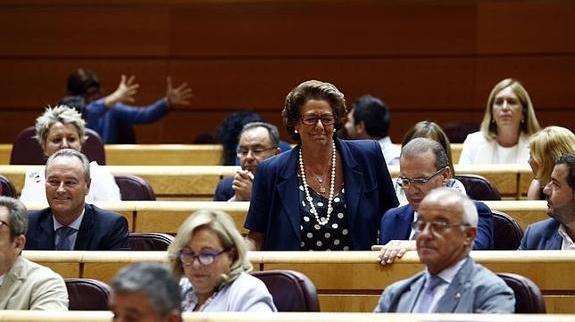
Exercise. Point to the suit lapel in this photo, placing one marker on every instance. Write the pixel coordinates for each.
(407, 303)
(46, 223)
(460, 284)
(555, 242)
(11, 283)
(353, 179)
(288, 191)
(404, 228)
(84, 235)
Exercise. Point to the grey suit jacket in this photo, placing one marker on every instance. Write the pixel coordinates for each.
(29, 286)
(474, 289)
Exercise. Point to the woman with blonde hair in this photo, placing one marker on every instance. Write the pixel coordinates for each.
(210, 257)
(546, 147)
(508, 122)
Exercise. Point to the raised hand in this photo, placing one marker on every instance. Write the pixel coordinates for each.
(242, 185)
(180, 95)
(124, 93)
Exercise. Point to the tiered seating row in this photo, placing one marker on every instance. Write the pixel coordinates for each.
(346, 281)
(199, 182)
(167, 216)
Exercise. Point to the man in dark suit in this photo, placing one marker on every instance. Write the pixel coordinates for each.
(258, 141)
(69, 223)
(452, 282)
(423, 166)
(557, 232)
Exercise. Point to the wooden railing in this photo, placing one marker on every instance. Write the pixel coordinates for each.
(346, 281)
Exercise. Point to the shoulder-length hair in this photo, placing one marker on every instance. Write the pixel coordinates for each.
(530, 124)
(547, 146)
(220, 223)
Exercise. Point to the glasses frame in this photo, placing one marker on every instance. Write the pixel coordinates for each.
(256, 153)
(418, 181)
(433, 226)
(211, 257)
(316, 118)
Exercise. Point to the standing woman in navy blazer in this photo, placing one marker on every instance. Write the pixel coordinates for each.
(326, 193)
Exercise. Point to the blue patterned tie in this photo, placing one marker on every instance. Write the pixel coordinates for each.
(64, 241)
(426, 296)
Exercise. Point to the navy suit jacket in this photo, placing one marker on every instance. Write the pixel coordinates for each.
(396, 225)
(275, 204)
(99, 230)
(543, 234)
(224, 190)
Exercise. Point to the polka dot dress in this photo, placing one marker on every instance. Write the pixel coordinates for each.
(335, 235)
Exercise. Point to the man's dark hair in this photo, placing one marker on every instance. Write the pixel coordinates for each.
(80, 80)
(374, 114)
(229, 132)
(568, 160)
(155, 281)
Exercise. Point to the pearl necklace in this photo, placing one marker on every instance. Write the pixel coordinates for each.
(321, 221)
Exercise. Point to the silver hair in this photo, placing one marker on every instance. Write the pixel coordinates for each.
(469, 216)
(422, 145)
(17, 214)
(63, 114)
(272, 131)
(72, 154)
(153, 280)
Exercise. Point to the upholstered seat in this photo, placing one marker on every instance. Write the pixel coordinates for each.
(87, 294)
(26, 149)
(134, 188)
(507, 233)
(149, 241)
(292, 291)
(6, 187)
(528, 297)
(479, 188)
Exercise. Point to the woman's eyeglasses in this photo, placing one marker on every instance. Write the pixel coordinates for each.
(311, 119)
(204, 259)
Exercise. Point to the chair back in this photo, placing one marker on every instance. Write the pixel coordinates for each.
(149, 241)
(7, 188)
(26, 150)
(507, 233)
(457, 131)
(292, 291)
(134, 188)
(528, 297)
(479, 188)
(87, 294)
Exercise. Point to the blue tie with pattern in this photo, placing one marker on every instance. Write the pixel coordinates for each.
(64, 235)
(426, 296)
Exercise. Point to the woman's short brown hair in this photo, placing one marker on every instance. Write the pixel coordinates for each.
(312, 89)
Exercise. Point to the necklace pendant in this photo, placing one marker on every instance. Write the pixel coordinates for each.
(322, 189)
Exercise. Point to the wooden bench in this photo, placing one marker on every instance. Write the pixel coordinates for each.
(346, 281)
(167, 216)
(150, 154)
(106, 316)
(199, 182)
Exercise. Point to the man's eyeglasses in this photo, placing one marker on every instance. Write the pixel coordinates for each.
(257, 152)
(404, 182)
(311, 119)
(204, 259)
(437, 227)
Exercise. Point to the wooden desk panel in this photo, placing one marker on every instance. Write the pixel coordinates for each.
(341, 275)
